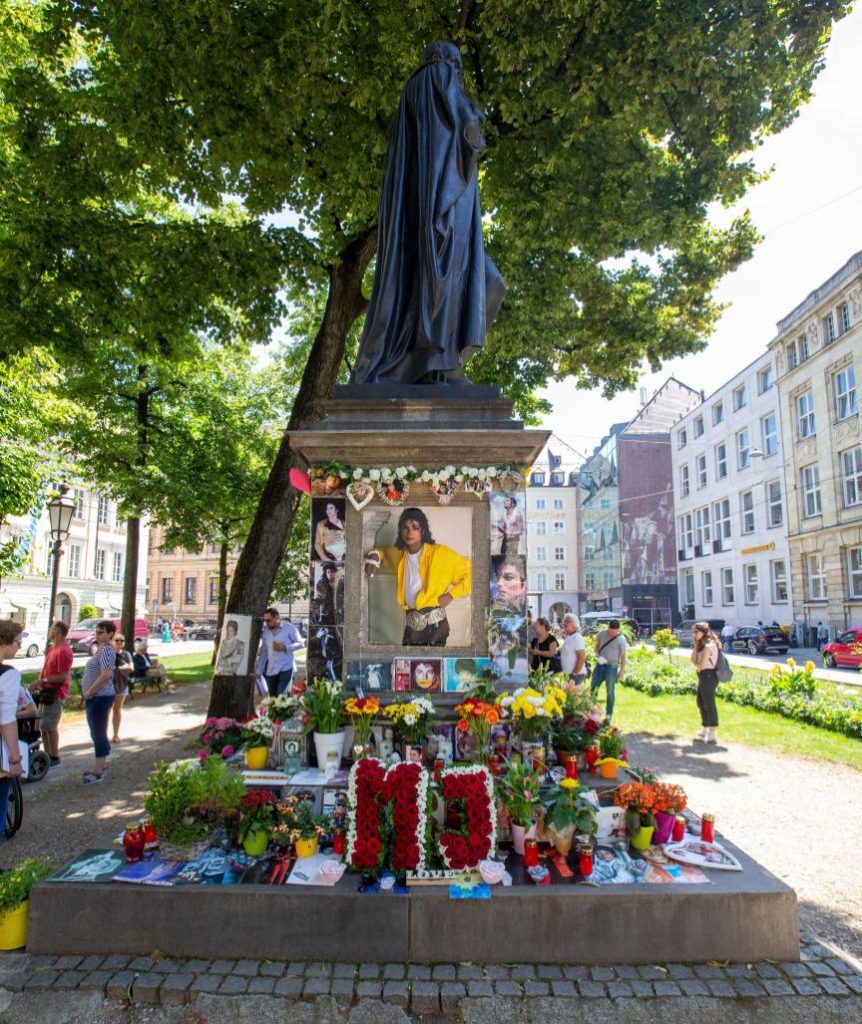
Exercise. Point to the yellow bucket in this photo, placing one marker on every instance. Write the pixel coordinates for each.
(306, 847)
(13, 927)
(255, 758)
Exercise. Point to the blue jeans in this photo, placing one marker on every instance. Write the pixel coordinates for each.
(728, 644)
(98, 713)
(279, 683)
(606, 674)
(5, 783)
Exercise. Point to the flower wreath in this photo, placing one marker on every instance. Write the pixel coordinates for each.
(477, 838)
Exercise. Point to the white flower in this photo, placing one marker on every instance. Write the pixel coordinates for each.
(459, 477)
(357, 474)
(492, 472)
(482, 474)
(450, 470)
(374, 474)
(426, 476)
(411, 469)
(401, 472)
(444, 474)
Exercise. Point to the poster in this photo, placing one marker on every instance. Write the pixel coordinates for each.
(234, 651)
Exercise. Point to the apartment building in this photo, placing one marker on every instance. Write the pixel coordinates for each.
(730, 497)
(818, 354)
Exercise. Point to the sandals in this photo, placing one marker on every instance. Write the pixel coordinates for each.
(89, 778)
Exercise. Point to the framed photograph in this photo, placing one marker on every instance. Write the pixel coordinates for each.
(234, 651)
(401, 675)
(325, 653)
(704, 855)
(500, 742)
(426, 674)
(462, 674)
(509, 586)
(369, 676)
(441, 743)
(328, 530)
(508, 524)
(383, 740)
(326, 607)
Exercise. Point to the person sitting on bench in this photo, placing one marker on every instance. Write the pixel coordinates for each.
(147, 669)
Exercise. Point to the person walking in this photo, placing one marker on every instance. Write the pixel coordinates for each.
(53, 684)
(704, 657)
(822, 636)
(574, 653)
(728, 632)
(277, 643)
(10, 684)
(611, 651)
(98, 691)
(122, 674)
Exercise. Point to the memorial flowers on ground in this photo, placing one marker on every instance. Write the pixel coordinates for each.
(361, 712)
(478, 717)
(411, 719)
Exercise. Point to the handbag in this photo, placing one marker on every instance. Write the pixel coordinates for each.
(46, 695)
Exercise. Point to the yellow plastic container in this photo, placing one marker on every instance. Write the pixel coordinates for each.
(13, 927)
(306, 847)
(642, 840)
(256, 757)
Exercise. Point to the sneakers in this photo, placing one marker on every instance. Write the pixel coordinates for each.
(700, 737)
(90, 778)
(710, 737)
(54, 761)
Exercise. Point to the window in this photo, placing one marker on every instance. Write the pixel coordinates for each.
(720, 461)
(682, 438)
(49, 562)
(700, 469)
(769, 434)
(811, 492)
(718, 413)
(765, 379)
(686, 532)
(558, 504)
(749, 574)
(698, 426)
(558, 479)
(843, 318)
(191, 593)
(721, 518)
(75, 561)
(559, 527)
(559, 554)
(541, 553)
(541, 528)
(589, 581)
(804, 348)
(727, 586)
(541, 581)
(706, 584)
(805, 415)
(212, 594)
(854, 571)
(167, 589)
(117, 570)
(774, 509)
(746, 507)
(559, 581)
(540, 504)
(100, 564)
(79, 503)
(816, 577)
(607, 580)
(104, 510)
(684, 487)
(829, 327)
(688, 587)
(537, 478)
(702, 536)
(778, 575)
(791, 356)
(740, 398)
(851, 465)
(844, 388)
(743, 449)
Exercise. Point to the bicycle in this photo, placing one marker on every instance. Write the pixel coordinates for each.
(15, 808)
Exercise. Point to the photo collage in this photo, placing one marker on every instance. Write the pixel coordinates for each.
(507, 615)
(326, 585)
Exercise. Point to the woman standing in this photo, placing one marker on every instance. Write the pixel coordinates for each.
(10, 683)
(329, 540)
(123, 671)
(99, 694)
(544, 650)
(704, 657)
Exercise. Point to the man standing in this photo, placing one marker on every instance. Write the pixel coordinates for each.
(574, 652)
(610, 665)
(277, 644)
(53, 681)
(727, 634)
(822, 636)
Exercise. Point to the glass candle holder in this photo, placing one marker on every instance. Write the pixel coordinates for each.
(707, 828)
(571, 767)
(585, 861)
(678, 828)
(134, 842)
(531, 853)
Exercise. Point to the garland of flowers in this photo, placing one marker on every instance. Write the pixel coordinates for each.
(473, 784)
(370, 790)
(434, 476)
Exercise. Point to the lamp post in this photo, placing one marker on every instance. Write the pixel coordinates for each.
(60, 511)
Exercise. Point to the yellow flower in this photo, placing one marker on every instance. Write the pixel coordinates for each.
(570, 784)
(791, 662)
(809, 666)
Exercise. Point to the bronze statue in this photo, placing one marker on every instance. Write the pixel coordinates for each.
(435, 291)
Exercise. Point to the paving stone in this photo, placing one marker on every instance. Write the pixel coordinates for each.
(693, 987)
(549, 972)
(67, 963)
(119, 985)
(469, 972)
(563, 989)
(480, 989)
(739, 971)
(261, 986)
(807, 987)
(369, 989)
(425, 997)
(116, 962)
(369, 972)
(141, 963)
(41, 980)
(319, 970)
(208, 983)
(496, 971)
(222, 966)
(393, 972)
(747, 987)
(824, 952)
(626, 972)
(667, 988)
(840, 966)
(521, 972)
(679, 971)
(69, 979)
(444, 972)
(271, 970)
(316, 987)
(418, 972)
(503, 987)
(146, 988)
(398, 992)
(591, 989)
(767, 971)
(602, 973)
(197, 966)
(853, 982)
(620, 990)
(42, 960)
(233, 985)
(246, 968)
(175, 989)
(820, 969)
(349, 970)
(652, 973)
(573, 973)
(451, 994)
(796, 970)
(642, 988)
(342, 989)
(90, 963)
(167, 966)
(719, 987)
(295, 968)
(290, 987)
(777, 986)
(834, 986)
(15, 981)
(536, 988)
(708, 973)
(806, 936)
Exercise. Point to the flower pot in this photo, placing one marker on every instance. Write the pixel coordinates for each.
(255, 843)
(642, 839)
(306, 847)
(13, 927)
(562, 840)
(329, 747)
(608, 768)
(663, 827)
(519, 834)
(256, 757)
(562, 755)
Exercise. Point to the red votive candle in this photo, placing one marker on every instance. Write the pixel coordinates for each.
(678, 828)
(133, 842)
(495, 763)
(338, 841)
(439, 765)
(591, 755)
(531, 853)
(707, 828)
(571, 767)
(585, 861)
(151, 837)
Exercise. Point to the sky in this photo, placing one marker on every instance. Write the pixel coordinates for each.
(810, 214)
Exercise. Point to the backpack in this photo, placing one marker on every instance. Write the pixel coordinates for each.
(723, 669)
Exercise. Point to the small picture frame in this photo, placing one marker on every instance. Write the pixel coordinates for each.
(463, 674)
(426, 674)
(401, 675)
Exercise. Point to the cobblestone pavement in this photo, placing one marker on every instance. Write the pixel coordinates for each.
(439, 990)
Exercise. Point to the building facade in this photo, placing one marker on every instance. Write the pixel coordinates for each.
(552, 532)
(730, 496)
(818, 354)
(92, 564)
(628, 538)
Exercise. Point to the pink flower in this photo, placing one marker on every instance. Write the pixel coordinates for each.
(227, 750)
(203, 755)
(207, 737)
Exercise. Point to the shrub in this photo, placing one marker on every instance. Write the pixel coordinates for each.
(15, 884)
(664, 640)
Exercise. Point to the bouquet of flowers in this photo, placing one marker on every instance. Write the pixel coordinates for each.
(639, 800)
(296, 820)
(323, 702)
(532, 711)
(612, 743)
(280, 708)
(257, 732)
(258, 806)
(411, 719)
(580, 723)
(518, 790)
(566, 811)
(668, 798)
(222, 736)
(361, 711)
(478, 717)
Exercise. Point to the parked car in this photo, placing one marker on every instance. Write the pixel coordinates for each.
(29, 646)
(759, 640)
(202, 631)
(684, 632)
(82, 637)
(845, 651)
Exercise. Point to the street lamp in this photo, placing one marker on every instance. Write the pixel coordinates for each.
(60, 511)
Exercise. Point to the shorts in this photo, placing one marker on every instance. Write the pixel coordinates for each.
(51, 714)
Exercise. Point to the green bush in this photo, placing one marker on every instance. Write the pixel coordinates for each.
(185, 799)
(87, 611)
(664, 640)
(15, 884)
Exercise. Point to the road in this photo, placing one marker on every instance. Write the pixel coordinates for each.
(156, 648)
(847, 676)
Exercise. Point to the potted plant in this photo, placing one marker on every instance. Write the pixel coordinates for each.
(361, 712)
(478, 716)
(222, 736)
(669, 801)
(323, 702)
(257, 736)
(299, 826)
(258, 807)
(611, 750)
(412, 721)
(533, 710)
(185, 801)
(567, 812)
(518, 789)
(15, 886)
(638, 798)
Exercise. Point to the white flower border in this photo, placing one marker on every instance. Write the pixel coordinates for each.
(474, 769)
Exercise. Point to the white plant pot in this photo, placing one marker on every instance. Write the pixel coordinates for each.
(329, 747)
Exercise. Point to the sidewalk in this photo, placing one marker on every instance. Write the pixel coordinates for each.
(846, 676)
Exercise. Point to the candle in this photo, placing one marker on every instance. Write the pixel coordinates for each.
(338, 841)
(531, 853)
(585, 861)
(591, 755)
(133, 842)
(678, 828)
(707, 828)
(571, 768)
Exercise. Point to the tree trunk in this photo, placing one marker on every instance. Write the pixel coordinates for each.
(222, 594)
(233, 696)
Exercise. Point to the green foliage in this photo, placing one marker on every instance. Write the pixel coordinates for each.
(564, 807)
(664, 640)
(324, 705)
(185, 800)
(88, 611)
(611, 742)
(16, 883)
(291, 580)
(519, 789)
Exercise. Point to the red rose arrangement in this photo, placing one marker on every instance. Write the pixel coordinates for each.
(371, 789)
(478, 835)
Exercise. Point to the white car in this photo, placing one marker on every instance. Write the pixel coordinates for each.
(29, 646)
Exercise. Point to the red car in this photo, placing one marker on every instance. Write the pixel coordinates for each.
(845, 651)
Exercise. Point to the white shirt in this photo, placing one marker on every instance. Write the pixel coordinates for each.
(728, 631)
(412, 579)
(573, 643)
(10, 683)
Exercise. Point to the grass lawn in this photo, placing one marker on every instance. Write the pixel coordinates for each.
(637, 712)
